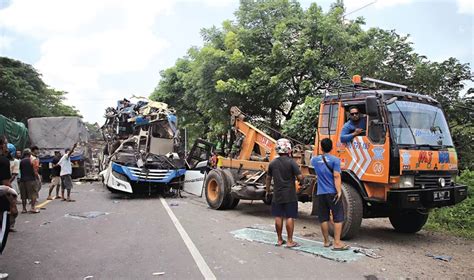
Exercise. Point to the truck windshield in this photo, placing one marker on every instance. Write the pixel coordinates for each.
(419, 124)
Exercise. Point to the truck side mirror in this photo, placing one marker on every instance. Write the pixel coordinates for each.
(371, 106)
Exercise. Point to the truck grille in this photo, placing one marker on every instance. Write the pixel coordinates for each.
(430, 180)
(150, 174)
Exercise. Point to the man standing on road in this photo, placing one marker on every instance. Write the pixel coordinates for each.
(355, 126)
(55, 175)
(28, 182)
(14, 167)
(65, 173)
(36, 165)
(5, 173)
(328, 169)
(5, 179)
(284, 171)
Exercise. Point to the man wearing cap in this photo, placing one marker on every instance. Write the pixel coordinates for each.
(14, 167)
(283, 170)
(66, 171)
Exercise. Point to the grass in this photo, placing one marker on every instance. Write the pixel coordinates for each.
(458, 219)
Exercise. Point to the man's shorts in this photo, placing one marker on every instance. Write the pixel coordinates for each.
(326, 204)
(287, 210)
(29, 190)
(66, 181)
(55, 181)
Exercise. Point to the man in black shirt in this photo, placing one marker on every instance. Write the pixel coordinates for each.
(55, 178)
(284, 171)
(28, 181)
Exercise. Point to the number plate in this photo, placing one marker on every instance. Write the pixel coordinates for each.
(441, 195)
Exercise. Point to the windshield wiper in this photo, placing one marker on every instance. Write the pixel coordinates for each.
(405, 119)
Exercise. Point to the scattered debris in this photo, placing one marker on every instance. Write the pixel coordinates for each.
(440, 257)
(3, 275)
(37, 262)
(78, 183)
(27, 222)
(370, 277)
(242, 262)
(368, 252)
(86, 215)
(116, 201)
(174, 204)
(45, 223)
(158, 273)
(88, 277)
(306, 245)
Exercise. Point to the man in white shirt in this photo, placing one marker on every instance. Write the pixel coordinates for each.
(66, 171)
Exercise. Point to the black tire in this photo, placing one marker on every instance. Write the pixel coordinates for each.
(268, 201)
(231, 202)
(353, 212)
(408, 221)
(217, 190)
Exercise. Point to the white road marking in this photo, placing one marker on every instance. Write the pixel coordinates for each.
(200, 262)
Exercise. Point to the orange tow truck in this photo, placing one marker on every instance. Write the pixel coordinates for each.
(402, 166)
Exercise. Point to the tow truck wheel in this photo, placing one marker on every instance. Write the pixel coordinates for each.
(231, 202)
(217, 190)
(408, 221)
(353, 211)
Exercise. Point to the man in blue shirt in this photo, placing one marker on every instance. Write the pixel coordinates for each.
(329, 194)
(355, 126)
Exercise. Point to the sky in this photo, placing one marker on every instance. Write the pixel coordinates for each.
(102, 51)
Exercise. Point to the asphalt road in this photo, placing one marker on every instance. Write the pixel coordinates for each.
(137, 238)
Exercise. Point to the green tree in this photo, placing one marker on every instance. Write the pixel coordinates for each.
(23, 93)
(275, 55)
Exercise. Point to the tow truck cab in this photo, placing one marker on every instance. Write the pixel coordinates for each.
(403, 165)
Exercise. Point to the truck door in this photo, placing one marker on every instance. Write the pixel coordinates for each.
(367, 155)
(197, 161)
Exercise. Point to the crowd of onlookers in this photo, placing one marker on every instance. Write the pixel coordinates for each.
(20, 178)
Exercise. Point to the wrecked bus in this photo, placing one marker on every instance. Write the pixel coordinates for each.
(147, 161)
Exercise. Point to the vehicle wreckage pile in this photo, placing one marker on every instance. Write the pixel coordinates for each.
(142, 151)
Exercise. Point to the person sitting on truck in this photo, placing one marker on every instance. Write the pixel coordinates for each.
(328, 169)
(355, 126)
(284, 170)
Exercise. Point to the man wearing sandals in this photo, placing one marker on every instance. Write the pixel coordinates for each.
(66, 171)
(328, 169)
(283, 170)
(28, 182)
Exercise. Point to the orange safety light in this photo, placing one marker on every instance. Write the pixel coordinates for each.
(356, 79)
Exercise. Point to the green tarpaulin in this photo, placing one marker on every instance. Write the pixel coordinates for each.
(16, 132)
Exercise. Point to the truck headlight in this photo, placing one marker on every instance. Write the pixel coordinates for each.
(406, 181)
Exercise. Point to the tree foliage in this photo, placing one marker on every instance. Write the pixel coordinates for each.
(276, 58)
(24, 95)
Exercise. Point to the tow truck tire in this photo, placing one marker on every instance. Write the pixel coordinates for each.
(408, 221)
(217, 190)
(268, 201)
(231, 202)
(353, 212)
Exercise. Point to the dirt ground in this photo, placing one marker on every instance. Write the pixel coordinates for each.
(403, 255)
